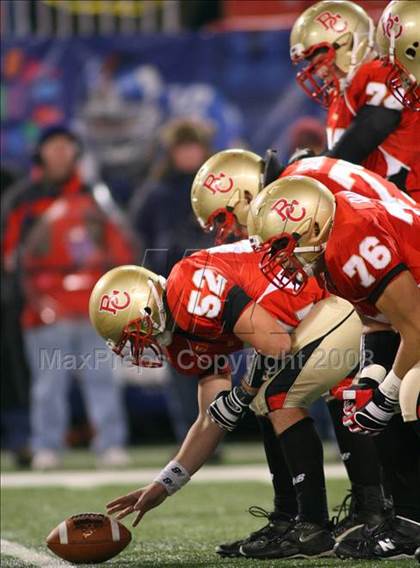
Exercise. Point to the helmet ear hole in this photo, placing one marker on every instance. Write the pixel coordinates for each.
(221, 217)
(280, 244)
(410, 52)
(148, 311)
(248, 196)
(318, 51)
(317, 229)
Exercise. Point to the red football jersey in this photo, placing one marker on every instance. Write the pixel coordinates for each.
(400, 148)
(203, 287)
(371, 242)
(339, 175)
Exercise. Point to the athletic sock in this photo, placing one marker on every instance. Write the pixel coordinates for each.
(284, 492)
(303, 452)
(358, 453)
(397, 446)
(415, 425)
(399, 452)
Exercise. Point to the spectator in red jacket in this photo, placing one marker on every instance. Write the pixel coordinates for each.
(57, 242)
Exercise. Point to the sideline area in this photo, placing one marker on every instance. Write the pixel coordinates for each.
(220, 473)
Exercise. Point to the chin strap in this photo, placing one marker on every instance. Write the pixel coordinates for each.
(159, 302)
(357, 39)
(392, 48)
(299, 250)
(309, 267)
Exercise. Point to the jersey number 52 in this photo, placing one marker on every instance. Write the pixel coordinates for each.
(202, 303)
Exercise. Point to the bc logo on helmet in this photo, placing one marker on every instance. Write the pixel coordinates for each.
(114, 303)
(287, 210)
(221, 183)
(392, 26)
(332, 22)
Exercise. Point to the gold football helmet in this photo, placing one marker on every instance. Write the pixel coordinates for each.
(335, 36)
(398, 39)
(222, 190)
(290, 222)
(126, 306)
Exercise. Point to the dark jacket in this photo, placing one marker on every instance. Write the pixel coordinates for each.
(164, 219)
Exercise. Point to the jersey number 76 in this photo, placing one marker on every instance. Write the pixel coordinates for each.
(375, 254)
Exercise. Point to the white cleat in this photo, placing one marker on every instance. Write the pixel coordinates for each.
(113, 457)
(44, 460)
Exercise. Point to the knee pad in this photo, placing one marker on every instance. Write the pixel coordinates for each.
(410, 395)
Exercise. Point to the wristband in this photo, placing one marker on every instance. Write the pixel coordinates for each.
(390, 386)
(173, 476)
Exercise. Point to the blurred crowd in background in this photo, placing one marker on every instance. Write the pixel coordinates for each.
(102, 134)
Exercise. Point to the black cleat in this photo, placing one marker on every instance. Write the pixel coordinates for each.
(417, 554)
(302, 540)
(363, 505)
(277, 525)
(394, 538)
(400, 540)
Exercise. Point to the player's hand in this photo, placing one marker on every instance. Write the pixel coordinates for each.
(367, 410)
(139, 501)
(228, 408)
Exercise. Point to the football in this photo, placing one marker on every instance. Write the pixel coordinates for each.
(88, 538)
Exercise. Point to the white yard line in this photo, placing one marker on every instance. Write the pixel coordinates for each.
(85, 479)
(10, 548)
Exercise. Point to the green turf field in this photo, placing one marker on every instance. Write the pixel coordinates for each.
(181, 533)
(236, 453)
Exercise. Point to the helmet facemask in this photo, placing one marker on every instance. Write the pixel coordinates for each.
(320, 77)
(226, 221)
(404, 87)
(398, 42)
(141, 334)
(224, 224)
(280, 266)
(285, 264)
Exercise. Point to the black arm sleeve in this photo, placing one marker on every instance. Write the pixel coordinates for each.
(235, 303)
(369, 128)
(379, 347)
(272, 167)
